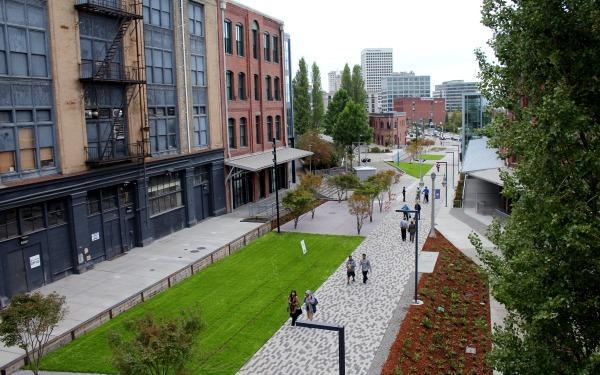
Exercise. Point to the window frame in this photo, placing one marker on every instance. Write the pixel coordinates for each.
(239, 39)
(267, 46)
(242, 86)
(276, 49)
(229, 85)
(227, 37)
(243, 132)
(231, 133)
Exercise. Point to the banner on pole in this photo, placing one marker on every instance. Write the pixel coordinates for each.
(437, 193)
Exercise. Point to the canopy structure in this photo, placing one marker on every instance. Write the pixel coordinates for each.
(264, 160)
(479, 156)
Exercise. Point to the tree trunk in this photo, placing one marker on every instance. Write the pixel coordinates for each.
(358, 224)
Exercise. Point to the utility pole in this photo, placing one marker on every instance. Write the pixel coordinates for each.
(276, 183)
(432, 231)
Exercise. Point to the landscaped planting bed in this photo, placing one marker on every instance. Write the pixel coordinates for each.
(439, 337)
(242, 300)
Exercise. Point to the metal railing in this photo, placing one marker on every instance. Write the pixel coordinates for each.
(121, 6)
(113, 151)
(111, 71)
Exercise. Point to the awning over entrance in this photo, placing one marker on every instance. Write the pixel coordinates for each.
(264, 160)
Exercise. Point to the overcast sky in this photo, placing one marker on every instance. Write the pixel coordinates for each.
(429, 37)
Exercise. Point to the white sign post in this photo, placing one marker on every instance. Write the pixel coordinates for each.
(304, 251)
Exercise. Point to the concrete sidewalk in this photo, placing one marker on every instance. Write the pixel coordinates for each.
(113, 281)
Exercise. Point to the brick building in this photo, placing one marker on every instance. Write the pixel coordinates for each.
(426, 110)
(389, 129)
(255, 110)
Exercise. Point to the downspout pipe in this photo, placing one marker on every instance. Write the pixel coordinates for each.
(185, 78)
(223, 6)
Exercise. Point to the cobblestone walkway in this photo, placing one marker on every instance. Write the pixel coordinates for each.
(364, 310)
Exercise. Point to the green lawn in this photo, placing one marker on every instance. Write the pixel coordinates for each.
(243, 300)
(431, 157)
(413, 169)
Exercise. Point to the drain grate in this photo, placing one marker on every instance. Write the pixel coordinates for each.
(195, 251)
(201, 248)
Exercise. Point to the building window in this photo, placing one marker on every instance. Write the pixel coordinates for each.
(278, 127)
(56, 212)
(231, 132)
(201, 176)
(157, 13)
(8, 224)
(227, 36)
(93, 202)
(277, 88)
(229, 84)
(164, 193)
(267, 46)
(32, 218)
(256, 87)
(270, 128)
(241, 86)
(197, 70)
(255, 39)
(162, 119)
(243, 133)
(275, 49)
(258, 130)
(239, 39)
(268, 92)
(200, 126)
(196, 15)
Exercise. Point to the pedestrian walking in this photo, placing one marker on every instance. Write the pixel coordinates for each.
(310, 304)
(412, 229)
(350, 267)
(437, 166)
(403, 193)
(294, 307)
(426, 194)
(403, 228)
(418, 193)
(365, 266)
(418, 209)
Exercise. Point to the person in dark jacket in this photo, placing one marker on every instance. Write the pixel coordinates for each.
(412, 229)
(418, 209)
(294, 307)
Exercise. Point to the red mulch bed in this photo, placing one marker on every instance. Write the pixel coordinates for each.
(455, 315)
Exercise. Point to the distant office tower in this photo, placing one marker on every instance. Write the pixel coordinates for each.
(453, 92)
(335, 81)
(398, 85)
(376, 63)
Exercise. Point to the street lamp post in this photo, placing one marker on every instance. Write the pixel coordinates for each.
(444, 182)
(432, 231)
(452, 152)
(417, 217)
(276, 183)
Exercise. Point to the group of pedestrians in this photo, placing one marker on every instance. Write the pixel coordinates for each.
(410, 227)
(365, 267)
(295, 308)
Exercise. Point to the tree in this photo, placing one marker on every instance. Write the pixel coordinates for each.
(370, 189)
(335, 107)
(387, 180)
(359, 94)
(346, 80)
(359, 206)
(342, 183)
(453, 121)
(302, 110)
(156, 347)
(415, 147)
(547, 276)
(298, 201)
(317, 97)
(324, 154)
(28, 322)
(351, 125)
(311, 183)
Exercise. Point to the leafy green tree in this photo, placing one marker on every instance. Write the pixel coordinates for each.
(359, 206)
(302, 110)
(156, 347)
(317, 97)
(352, 125)
(371, 189)
(311, 183)
(28, 322)
(335, 107)
(547, 275)
(359, 94)
(342, 183)
(346, 79)
(298, 201)
(453, 121)
(324, 154)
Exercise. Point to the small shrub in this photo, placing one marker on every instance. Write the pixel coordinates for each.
(426, 323)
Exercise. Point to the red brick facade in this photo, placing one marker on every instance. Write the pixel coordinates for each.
(251, 68)
(426, 109)
(389, 129)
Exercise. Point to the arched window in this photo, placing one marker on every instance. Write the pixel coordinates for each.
(227, 36)
(270, 128)
(277, 88)
(239, 39)
(243, 133)
(229, 84)
(256, 87)
(231, 132)
(268, 91)
(267, 46)
(255, 39)
(276, 49)
(278, 127)
(241, 86)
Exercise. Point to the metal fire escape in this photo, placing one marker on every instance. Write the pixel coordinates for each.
(115, 147)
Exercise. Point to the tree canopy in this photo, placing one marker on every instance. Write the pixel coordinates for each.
(352, 125)
(316, 97)
(302, 107)
(547, 77)
(359, 94)
(346, 79)
(335, 107)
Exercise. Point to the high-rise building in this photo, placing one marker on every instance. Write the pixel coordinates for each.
(334, 79)
(474, 116)
(375, 63)
(453, 92)
(403, 84)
